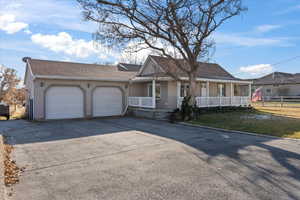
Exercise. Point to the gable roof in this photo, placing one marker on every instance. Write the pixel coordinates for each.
(69, 70)
(205, 70)
(278, 78)
(129, 67)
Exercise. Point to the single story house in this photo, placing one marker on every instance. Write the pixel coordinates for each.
(153, 87)
(64, 90)
(278, 84)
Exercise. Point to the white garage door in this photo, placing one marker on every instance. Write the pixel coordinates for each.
(64, 102)
(107, 101)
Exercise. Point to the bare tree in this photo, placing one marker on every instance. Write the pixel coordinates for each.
(184, 25)
(8, 81)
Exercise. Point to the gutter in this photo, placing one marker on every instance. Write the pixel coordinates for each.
(81, 78)
(186, 79)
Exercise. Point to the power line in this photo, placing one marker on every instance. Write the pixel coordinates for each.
(286, 60)
(277, 63)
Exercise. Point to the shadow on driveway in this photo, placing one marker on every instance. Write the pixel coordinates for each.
(264, 167)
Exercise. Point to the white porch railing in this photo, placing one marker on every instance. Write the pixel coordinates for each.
(220, 101)
(143, 102)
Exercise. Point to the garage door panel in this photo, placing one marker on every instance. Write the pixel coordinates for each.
(64, 102)
(107, 101)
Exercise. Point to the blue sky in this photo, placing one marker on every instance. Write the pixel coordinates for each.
(247, 45)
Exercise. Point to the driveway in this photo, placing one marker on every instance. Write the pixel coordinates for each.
(137, 159)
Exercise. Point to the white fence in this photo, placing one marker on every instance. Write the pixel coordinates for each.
(220, 101)
(279, 101)
(143, 102)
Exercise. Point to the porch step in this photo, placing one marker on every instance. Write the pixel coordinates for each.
(158, 114)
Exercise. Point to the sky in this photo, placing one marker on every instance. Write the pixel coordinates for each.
(262, 40)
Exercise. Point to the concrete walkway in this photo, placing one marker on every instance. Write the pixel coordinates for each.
(128, 158)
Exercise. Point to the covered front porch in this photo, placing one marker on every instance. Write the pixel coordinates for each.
(168, 94)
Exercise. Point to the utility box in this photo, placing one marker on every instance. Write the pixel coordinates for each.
(4, 111)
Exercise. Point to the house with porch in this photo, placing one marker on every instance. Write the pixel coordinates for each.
(154, 88)
(65, 90)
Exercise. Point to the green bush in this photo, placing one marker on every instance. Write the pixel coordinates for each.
(186, 109)
(188, 112)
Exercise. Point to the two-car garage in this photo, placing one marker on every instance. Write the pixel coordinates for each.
(67, 102)
(68, 90)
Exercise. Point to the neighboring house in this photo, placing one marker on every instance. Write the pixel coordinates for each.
(58, 90)
(278, 84)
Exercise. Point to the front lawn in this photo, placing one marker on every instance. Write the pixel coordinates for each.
(281, 122)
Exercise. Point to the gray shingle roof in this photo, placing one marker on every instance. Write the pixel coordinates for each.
(69, 69)
(205, 70)
(278, 78)
(129, 67)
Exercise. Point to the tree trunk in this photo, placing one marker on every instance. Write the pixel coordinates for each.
(192, 88)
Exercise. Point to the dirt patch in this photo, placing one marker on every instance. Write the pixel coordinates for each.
(11, 170)
(256, 116)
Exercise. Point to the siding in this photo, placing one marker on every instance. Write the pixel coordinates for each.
(41, 85)
(150, 68)
(138, 89)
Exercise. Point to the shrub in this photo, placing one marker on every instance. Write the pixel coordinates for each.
(175, 116)
(186, 109)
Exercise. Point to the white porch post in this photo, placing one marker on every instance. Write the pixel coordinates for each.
(178, 93)
(249, 99)
(207, 93)
(231, 93)
(153, 94)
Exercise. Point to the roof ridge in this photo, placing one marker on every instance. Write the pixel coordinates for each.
(78, 63)
(183, 59)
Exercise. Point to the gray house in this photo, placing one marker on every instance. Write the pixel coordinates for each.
(60, 90)
(278, 84)
(154, 88)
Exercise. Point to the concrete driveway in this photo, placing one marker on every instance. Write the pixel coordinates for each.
(136, 159)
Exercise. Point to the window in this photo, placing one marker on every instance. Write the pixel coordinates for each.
(221, 90)
(184, 90)
(157, 90)
(203, 90)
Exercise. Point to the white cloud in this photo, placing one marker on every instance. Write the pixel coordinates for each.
(131, 55)
(63, 14)
(260, 69)
(239, 40)
(9, 24)
(63, 42)
(288, 10)
(27, 31)
(266, 28)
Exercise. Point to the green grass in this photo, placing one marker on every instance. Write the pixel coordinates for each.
(278, 104)
(269, 121)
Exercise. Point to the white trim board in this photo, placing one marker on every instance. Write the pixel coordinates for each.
(186, 79)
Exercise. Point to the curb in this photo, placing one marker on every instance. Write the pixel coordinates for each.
(238, 132)
(2, 185)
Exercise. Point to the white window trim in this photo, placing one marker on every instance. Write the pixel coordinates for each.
(156, 85)
(220, 89)
(205, 87)
(185, 86)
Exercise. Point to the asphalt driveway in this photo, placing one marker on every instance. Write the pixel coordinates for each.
(137, 159)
